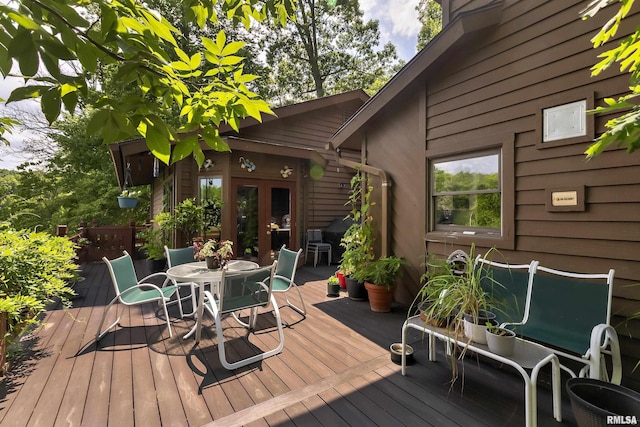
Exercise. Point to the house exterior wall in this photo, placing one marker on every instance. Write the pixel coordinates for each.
(324, 197)
(396, 147)
(539, 56)
(320, 198)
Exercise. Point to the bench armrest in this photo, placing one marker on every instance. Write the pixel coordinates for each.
(604, 339)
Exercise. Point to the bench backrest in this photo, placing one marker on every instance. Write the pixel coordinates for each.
(564, 307)
(508, 287)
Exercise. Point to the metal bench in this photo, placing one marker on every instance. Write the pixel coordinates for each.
(567, 312)
(570, 313)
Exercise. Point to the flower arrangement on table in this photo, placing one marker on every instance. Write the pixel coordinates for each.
(215, 252)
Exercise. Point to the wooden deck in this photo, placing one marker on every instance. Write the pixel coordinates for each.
(335, 370)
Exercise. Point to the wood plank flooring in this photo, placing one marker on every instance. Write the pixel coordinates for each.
(335, 370)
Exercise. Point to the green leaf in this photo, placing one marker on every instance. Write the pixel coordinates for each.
(232, 48)
(51, 104)
(210, 47)
(181, 54)
(221, 39)
(195, 60)
(181, 66)
(26, 92)
(51, 64)
(24, 21)
(29, 62)
(184, 148)
(56, 48)
(87, 56)
(97, 122)
(158, 144)
(70, 101)
(231, 60)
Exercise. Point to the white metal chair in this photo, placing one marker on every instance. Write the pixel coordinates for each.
(317, 246)
(242, 290)
(182, 256)
(131, 291)
(284, 278)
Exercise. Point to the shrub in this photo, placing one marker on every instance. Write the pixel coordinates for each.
(35, 268)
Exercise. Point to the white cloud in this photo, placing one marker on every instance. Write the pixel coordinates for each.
(398, 22)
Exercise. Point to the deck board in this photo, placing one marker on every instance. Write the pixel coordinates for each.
(334, 370)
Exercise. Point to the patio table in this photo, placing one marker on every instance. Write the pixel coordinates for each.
(526, 355)
(199, 273)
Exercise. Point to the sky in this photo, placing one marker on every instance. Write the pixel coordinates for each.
(398, 24)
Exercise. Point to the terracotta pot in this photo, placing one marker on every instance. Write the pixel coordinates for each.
(380, 298)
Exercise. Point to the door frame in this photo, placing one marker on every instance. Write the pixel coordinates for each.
(264, 213)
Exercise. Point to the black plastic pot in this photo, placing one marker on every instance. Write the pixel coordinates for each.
(356, 290)
(156, 265)
(333, 290)
(597, 403)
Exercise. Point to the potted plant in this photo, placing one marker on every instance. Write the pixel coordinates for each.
(153, 246)
(380, 278)
(155, 237)
(357, 240)
(128, 199)
(333, 286)
(456, 294)
(215, 253)
(500, 340)
(188, 218)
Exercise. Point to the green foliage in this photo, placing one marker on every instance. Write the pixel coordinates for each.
(326, 49)
(157, 235)
(357, 240)
(35, 268)
(384, 271)
(188, 218)
(6, 126)
(333, 280)
(448, 293)
(623, 130)
(208, 87)
(430, 15)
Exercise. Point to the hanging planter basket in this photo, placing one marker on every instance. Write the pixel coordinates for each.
(127, 202)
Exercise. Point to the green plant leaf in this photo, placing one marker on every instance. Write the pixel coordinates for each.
(51, 104)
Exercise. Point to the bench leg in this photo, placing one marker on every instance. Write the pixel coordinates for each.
(404, 351)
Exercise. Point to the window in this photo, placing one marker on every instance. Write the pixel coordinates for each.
(210, 190)
(466, 194)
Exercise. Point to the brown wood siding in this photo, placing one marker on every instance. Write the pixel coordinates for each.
(399, 151)
(538, 57)
(323, 198)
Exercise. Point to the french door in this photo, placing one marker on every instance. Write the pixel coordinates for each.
(263, 217)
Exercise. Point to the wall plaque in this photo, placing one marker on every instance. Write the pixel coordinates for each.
(565, 199)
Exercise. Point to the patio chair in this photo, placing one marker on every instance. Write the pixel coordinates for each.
(131, 291)
(244, 290)
(317, 246)
(284, 278)
(177, 257)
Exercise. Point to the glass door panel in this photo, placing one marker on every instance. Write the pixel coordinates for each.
(280, 218)
(264, 218)
(247, 208)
